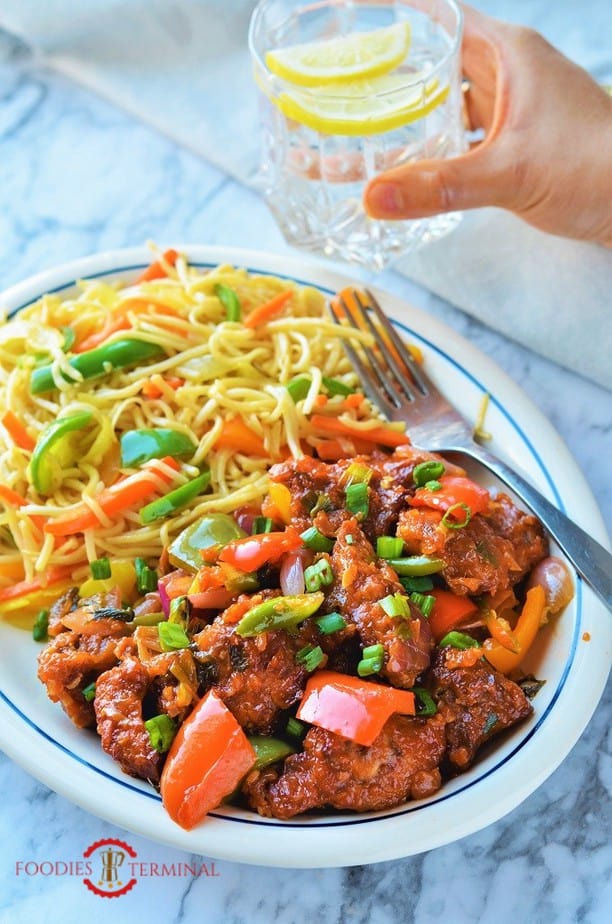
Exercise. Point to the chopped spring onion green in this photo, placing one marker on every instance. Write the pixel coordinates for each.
(330, 623)
(371, 661)
(425, 602)
(261, 525)
(426, 705)
(180, 609)
(416, 565)
(357, 501)
(230, 302)
(161, 730)
(310, 657)
(89, 692)
(41, 626)
(395, 605)
(418, 585)
(295, 728)
(336, 387)
(298, 387)
(146, 578)
(450, 523)
(458, 640)
(427, 471)
(433, 485)
(389, 546)
(318, 575)
(316, 541)
(100, 569)
(172, 636)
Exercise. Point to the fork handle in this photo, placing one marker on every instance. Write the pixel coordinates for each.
(591, 560)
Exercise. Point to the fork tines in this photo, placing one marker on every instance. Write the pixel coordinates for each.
(389, 374)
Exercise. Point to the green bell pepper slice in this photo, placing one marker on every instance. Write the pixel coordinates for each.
(416, 565)
(118, 354)
(269, 750)
(174, 500)
(41, 467)
(214, 529)
(138, 446)
(279, 613)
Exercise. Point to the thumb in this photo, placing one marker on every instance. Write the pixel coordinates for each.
(429, 187)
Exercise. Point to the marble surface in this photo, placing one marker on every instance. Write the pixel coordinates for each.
(79, 176)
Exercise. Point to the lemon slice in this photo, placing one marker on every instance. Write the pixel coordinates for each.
(342, 59)
(365, 107)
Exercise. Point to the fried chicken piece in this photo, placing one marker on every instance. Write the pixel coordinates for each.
(401, 764)
(68, 602)
(118, 706)
(310, 480)
(258, 677)
(477, 702)
(361, 582)
(73, 660)
(492, 553)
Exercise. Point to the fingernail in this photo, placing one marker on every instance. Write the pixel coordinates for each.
(384, 200)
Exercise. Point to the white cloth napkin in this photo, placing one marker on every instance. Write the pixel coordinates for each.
(183, 67)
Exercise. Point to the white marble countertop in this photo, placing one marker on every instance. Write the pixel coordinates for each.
(78, 176)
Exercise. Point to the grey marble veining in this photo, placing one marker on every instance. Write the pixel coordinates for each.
(78, 176)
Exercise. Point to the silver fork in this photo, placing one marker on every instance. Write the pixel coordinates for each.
(396, 384)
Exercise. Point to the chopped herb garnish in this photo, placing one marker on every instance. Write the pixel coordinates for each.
(395, 605)
(371, 661)
(316, 541)
(357, 501)
(427, 471)
(100, 569)
(458, 640)
(450, 523)
(261, 525)
(161, 730)
(331, 622)
(425, 602)
(336, 387)
(41, 626)
(298, 387)
(146, 578)
(318, 575)
(426, 705)
(310, 657)
(89, 692)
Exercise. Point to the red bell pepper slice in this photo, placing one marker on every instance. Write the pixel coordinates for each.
(208, 757)
(353, 708)
(448, 612)
(456, 489)
(252, 552)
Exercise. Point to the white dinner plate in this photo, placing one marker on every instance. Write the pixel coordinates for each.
(572, 654)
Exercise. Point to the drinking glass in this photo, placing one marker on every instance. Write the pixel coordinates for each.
(321, 144)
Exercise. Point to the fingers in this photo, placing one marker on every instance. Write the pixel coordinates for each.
(430, 187)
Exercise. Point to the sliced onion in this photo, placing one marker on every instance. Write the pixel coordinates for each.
(292, 572)
(553, 575)
(164, 599)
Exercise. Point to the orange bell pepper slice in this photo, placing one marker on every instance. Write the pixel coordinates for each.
(208, 758)
(524, 632)
(448, 612)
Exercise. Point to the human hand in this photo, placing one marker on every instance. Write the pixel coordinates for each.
(547, 151)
